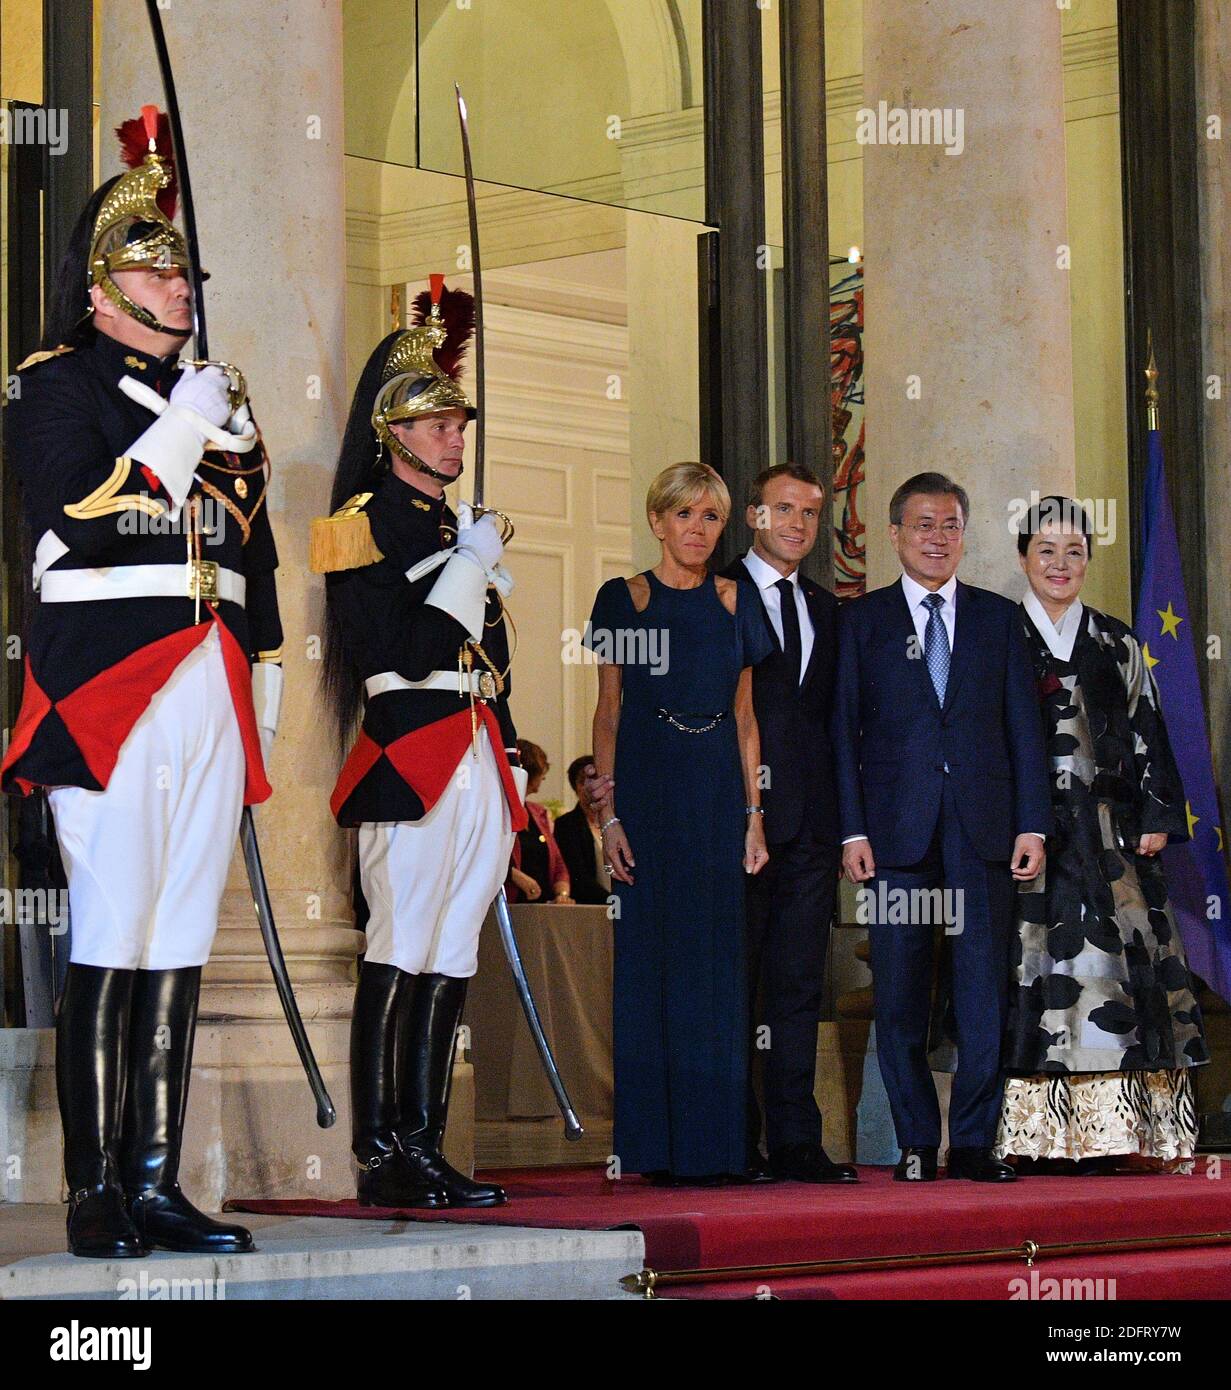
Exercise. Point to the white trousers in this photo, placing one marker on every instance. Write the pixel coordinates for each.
(429, 883)
(147, 857)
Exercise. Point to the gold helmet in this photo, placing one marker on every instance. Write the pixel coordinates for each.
(421, 370)
(133, 229)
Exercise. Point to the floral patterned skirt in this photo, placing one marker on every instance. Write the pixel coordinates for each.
(1100, 1114)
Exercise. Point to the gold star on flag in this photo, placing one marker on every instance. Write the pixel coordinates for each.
(1171, 621)
(1192, 820)
(1151, 661)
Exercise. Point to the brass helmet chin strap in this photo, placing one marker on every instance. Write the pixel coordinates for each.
(386, 436)
(134, 310)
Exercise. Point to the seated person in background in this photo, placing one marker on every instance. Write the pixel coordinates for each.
(537, 871)
(581, 845)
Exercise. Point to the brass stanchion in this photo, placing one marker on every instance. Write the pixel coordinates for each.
(649, 1281)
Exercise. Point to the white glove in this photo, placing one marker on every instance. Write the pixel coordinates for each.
(461, 591)
(480, 542)
(521, 778)
(239, 441)
(267, 703)
(205, 391)
(173, 444)
(241, 422)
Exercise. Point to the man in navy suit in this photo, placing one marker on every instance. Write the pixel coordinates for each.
(791, 902)
(942, 784)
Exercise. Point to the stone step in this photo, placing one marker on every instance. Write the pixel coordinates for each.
(320, 1258)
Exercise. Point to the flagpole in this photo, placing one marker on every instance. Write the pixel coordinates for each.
(1151, 376)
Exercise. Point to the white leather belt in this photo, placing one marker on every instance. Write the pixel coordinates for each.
(456, 682)
(205, 579)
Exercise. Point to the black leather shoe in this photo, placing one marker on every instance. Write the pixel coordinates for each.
(388, 1181)
(91, 1070)
(427, 1036)
(756, 1170)
(978, 1165)
(160, 1036)
(167, 1220)
(384, 1178)
(916, 1165)
(810, 1163)
(99, 1227)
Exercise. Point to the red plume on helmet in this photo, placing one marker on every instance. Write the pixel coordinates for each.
(457, 311)
(135, 137)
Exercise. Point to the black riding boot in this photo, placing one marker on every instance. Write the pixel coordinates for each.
(164, 1019)
(433, 1013)
(91, 1045)
(385, 1180)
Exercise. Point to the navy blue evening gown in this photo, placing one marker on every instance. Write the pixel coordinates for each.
(680, 996)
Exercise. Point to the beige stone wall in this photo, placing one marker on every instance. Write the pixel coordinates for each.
(1092, 144)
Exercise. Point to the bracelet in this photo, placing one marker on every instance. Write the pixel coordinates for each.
(754, 810)
(615, 820)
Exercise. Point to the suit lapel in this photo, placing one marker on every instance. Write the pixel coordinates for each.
(965, 640)
(769, 627)
(814, 613)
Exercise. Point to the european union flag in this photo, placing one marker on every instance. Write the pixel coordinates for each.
(1196, 869)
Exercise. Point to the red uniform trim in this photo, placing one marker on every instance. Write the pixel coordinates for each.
(517, 808)
(239, 678)
(100, 714)
(425, 759)
(363, 757)
(34, 705)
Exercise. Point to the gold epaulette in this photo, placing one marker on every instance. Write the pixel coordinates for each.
(36, 357)
(343, 541)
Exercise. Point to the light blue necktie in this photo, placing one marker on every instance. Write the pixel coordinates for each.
(936, 646)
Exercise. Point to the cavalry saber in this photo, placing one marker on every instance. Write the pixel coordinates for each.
(508, 938)
(572, 1125)
(325, 1112)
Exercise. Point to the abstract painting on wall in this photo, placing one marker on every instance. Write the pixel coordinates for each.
(846, 379)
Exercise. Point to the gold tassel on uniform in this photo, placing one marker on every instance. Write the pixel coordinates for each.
(343, 541)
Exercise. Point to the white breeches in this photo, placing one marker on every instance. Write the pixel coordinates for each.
(147, 858)
(429, 883)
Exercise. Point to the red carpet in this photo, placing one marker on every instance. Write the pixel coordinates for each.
(788, 1223)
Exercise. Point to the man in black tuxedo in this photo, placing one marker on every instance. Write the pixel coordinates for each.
(791, 902)
(942, 784)
(580, 844)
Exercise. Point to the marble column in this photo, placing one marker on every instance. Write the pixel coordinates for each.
(260, 91)
(967, 338)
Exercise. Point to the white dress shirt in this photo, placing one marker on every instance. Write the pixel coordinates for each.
(919, 612)
(1060, 636)
(765, 577)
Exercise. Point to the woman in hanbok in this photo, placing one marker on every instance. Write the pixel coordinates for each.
(1104, 1026)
